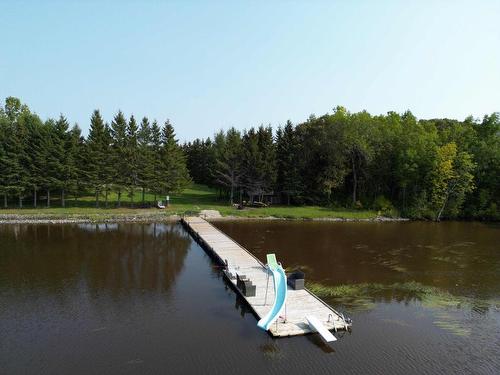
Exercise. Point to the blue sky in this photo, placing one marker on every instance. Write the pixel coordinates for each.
(212, 65)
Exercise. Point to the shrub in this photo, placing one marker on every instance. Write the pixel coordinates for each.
(384, 206)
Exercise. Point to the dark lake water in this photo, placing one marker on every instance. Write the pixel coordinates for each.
(145, 298)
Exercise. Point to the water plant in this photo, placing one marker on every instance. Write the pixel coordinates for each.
(442, 304)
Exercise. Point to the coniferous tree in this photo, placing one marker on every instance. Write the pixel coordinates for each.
(4, 161)
(200, 158)
(132, 158)
(37, 151)
(287, 161)
(60, 157)
(13, 177)
(157, 166)
(253, 170)
(175, 173)
(268, 151)
(51, 162)
(145, 159)
(108, 171)
(76, 153)
(229, 167)
(119, 153)
(97, 160)
(23, 121)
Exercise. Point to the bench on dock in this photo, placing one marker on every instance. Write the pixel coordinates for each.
(245, 285)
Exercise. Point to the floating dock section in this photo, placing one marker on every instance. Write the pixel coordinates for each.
(300, 303)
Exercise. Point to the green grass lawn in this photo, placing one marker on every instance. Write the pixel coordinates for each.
(190, 201)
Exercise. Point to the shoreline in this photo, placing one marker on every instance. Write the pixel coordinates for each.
(330, 219)
(162, 217)
(85, 219)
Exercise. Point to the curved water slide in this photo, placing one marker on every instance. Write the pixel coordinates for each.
(280, 293)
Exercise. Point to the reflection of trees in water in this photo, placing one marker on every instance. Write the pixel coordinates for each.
(115, 257)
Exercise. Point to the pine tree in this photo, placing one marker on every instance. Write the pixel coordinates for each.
(119, 153)
(228, 158)
(268, 152)
(145, 156)
(287, 163)
(253, 171)
(200, 159)
(37, 149)
(132, 158)
(175, 173)
(21, 140)
(155, 183)
(15, 179)
(96, 164)
(76, 153)
(60, 157)
(4, 161)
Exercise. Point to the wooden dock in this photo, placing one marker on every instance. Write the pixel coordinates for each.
(299, 302)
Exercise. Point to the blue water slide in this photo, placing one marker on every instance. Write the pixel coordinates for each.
(280, 289)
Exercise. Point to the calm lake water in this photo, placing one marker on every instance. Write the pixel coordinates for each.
(145, 298)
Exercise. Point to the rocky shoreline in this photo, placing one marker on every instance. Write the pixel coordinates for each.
(158, 217)
(80, 219)
(333, 219)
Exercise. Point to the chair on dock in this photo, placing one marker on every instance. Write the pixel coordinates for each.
(245, 285)
(296, 280)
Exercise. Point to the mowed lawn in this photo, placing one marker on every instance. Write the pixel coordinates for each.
(190, 201)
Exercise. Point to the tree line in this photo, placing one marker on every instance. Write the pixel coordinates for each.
(393, 163)
(51, 157)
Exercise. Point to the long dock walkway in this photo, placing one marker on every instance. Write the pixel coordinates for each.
(299, 302)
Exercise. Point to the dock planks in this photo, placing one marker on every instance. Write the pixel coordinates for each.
(299, 302)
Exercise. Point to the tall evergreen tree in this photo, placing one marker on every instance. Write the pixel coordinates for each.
(200, 158)
(155, 183)
(60, 157)
(97, 160)
(132, 158)
(145, 155)
(119, 153)
(252, 166)
(175, 173)
(287, 163)
(22, 121)
(4, 161)
(76, 159)
(37, 150)
(268, 152)
(229, 168)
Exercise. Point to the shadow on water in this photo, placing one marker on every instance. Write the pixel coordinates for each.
(318, 342)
